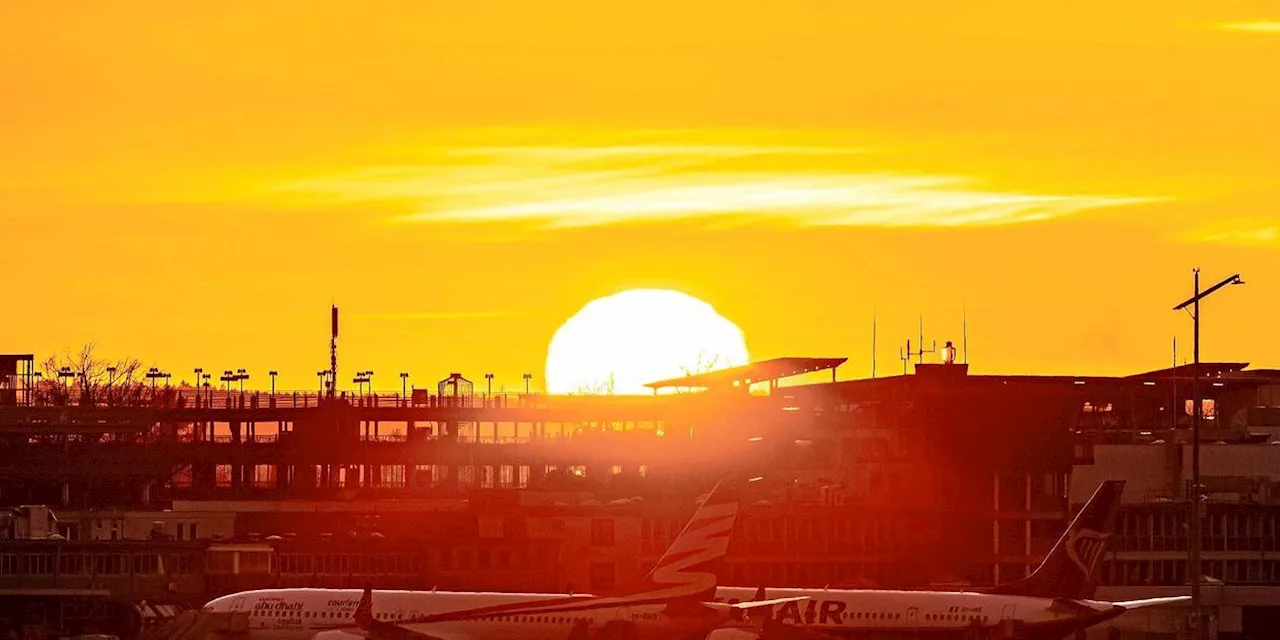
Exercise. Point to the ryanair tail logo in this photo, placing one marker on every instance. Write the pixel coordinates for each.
(1085, 548)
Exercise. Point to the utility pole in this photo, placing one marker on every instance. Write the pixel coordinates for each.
(1196, 499)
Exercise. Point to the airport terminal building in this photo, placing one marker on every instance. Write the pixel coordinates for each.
(936, 478)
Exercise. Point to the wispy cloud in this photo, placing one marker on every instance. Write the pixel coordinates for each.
(1244, 232)
(802, 186)
(1257, 26)
(436, 315)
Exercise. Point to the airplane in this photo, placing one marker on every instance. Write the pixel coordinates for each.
(673, 600)
(1053, 602)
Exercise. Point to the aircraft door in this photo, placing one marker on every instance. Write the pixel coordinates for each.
(913, 617)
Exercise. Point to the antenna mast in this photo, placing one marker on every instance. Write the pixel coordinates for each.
(920, 353)
(333, 351)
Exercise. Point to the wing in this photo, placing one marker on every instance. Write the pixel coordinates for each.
(752, 604)
(1152, 602)
(380, 630)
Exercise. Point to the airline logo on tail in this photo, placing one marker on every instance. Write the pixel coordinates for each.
(1085, 548)
(686, 572)
(688, 566)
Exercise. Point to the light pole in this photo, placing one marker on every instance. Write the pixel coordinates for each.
(527, 377)
(322, 375)
(63, 374)
(404, 386)
(111, 378)
(208, 390)
(1197, 540)
(242, 375)
(362, 377)
(273, 373)
(488, 378)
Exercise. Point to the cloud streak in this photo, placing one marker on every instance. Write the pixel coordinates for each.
(797, 186)
(436, 315)
(1257, 26)
(1256, 233)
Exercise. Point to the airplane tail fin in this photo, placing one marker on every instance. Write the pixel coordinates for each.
(363, 615)
(1070, 569)
(690, 566)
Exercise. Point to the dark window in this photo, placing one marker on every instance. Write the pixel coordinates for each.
(602, 532)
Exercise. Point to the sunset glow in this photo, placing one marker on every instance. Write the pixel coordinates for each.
(461, 178)
(617, 344)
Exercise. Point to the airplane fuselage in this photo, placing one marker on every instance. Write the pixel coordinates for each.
(302, 614)
(858, 612)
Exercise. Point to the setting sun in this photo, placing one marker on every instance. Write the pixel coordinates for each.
(618, 343)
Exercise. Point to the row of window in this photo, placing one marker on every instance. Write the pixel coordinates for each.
(99, 564)
(1167, 531)
(1174, 572)
(411, 563)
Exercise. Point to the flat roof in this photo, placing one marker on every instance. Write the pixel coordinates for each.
(762, 371)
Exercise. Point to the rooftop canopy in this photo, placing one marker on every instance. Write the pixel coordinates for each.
(1207, 370)
(763, 371)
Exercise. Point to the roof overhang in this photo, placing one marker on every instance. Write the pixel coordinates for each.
(749, 374)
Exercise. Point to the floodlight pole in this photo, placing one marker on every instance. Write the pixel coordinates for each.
(1197, 529)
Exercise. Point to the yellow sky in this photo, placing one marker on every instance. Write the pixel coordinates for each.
(194, 183)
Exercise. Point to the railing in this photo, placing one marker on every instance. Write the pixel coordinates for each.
(189, 398)
(398, 437)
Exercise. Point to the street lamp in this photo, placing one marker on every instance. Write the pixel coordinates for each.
(242, 375)
(273, 373)
(362, 377)
(228, 377)
(404, 385)
(527, 377)
(208, 391)
(322, 375)
(1197, 540)
(488, 377)
(111, 378)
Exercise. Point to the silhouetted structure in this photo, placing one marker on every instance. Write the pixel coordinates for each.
(936, 477)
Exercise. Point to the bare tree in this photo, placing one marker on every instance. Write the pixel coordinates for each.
(90, 378)
(704, 364)
(603, 387)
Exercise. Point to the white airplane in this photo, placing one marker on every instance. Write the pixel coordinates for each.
(1053, 602)
(674, 600)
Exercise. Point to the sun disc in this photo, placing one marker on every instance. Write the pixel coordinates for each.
(618, 343)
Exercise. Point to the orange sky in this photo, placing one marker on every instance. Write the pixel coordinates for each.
(195, 185)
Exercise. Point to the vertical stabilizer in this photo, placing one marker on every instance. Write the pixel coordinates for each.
(1071, 568)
